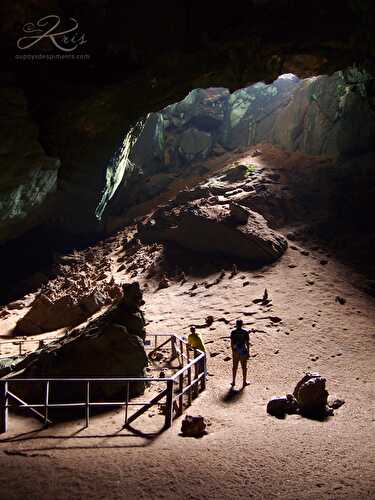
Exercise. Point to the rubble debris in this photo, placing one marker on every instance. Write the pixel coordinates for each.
(193, 426)
(340, 300)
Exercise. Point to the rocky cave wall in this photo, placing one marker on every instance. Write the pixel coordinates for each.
(328, 116)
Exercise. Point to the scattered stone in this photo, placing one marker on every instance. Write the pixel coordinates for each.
(194, 426)
(234, 271)
(340, 300)
(228, 358)
(164, 282)
(323, 262)
(274, 319)
(277, 351)
(246, 283)
(224, 320)
(336, 404)
(214, 354)
(209, 320)
(305, 253)
(279, 406)
(292, 266)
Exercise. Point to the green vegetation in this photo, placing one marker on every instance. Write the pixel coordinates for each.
(250, 169)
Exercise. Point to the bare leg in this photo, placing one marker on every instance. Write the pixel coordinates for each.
(244, 372)
(235, 367)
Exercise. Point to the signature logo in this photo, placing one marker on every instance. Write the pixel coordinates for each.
(49, 27)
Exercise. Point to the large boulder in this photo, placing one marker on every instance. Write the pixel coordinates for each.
(46, 315)
(311, 394)
(210, 227)
(193, 426)
(110, 346)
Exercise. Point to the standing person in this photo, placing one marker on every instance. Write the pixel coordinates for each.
(195, 341)
(240, 341)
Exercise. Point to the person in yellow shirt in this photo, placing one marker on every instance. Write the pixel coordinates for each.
(195, 340)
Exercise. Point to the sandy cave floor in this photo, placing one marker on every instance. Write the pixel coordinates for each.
(246, 454)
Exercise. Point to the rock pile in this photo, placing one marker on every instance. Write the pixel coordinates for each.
(310, 398)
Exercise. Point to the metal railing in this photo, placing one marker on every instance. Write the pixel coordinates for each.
(192, 370)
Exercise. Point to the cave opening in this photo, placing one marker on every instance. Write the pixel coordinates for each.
(164, 152)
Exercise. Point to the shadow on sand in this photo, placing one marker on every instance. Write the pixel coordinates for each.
(232, 395)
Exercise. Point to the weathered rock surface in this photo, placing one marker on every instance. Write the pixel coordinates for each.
(81, 288)
(210, 227)
(110, 346)
(311, 394)
(46, 315)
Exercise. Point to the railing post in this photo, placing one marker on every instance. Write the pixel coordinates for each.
(181, 397)
(169, 405)
(87, 403)
(174, 351)
(182, 353)
(196, 372)
(126, 402)
(204, 378)
(3, 406)
(46, 404)
(189, 375)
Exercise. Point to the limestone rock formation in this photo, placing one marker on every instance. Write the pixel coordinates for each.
(110, 346)
(252, 110)
(331, 116)
(210, 227)
(81, 288)
(46, 315)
